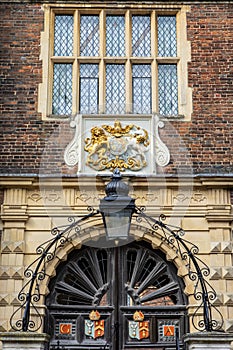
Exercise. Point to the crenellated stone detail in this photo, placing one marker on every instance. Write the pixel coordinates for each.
(229, 325)
(9, 299)
(227, 273)
(13, 247)
(226, 247)
(4, 300)
(228, 299)
(218, 300)
(3, 326)
(215, 273)
(218, 273)
(221, 247)
(215, 247)
(14, 272)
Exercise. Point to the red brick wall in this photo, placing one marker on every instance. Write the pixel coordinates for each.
(204, 145)
(211, 77)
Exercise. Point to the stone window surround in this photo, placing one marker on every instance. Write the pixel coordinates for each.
(183, 50)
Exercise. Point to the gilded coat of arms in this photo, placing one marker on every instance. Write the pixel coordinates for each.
(94, 327)
(121, 147)
(139, 329)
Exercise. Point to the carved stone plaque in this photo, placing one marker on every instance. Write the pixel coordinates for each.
(129, 143)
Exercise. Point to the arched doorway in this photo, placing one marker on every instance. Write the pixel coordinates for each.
(128, 297)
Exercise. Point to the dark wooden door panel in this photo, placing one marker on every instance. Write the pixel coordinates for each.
(116, 284)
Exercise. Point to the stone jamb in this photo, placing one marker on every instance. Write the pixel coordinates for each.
(23, 340)
(208, 340)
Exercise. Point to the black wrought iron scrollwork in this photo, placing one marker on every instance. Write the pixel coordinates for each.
(173, 236)
(204, 293)
(30, 294)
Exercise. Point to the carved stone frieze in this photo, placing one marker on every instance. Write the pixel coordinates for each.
(180, 198)
(48, 196)
(198, 197)
(89, 196)
(52, 196)
(35, 196)
(147, 197)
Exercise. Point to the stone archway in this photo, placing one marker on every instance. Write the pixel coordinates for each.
(115, 284)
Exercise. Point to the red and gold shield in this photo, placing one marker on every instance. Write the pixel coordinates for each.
(65, 328)
(169, 331)
(99, 329)
(144, 330)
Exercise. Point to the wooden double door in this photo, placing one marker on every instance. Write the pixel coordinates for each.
(128, 297)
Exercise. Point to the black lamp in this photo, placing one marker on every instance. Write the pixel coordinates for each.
(117, 208)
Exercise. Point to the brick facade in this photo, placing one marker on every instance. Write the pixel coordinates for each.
(207, 138)
(39, 191)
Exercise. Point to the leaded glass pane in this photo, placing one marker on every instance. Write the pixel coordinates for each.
(141, 36)
(168, 89)
(89, 36)
(63, 35)
(62, 89)
(115, 36)
(167, 36)
(115, 88)
(89, 83)
(141, 88)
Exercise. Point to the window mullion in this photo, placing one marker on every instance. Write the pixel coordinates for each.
(102, 33)
(128, 68)
(154, 70)
(154, 86)
(128, 86)
(102, 63)
(75, 89)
